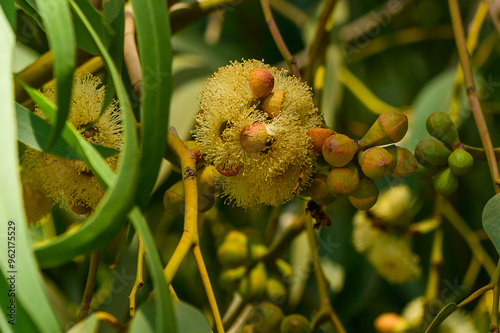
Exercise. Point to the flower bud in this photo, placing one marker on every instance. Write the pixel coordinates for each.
(318, 190)
(253, 285)
(445, 182)
(460, 162)
(275, 289)
(284, 268)
(403, 161)
(229, 173)
(267, 318)
(234, 251)
(295, 323)
(375, 162)
(272, 103)
(318, 136)
(343, 180)
(440, 126)
(339, 149)
(431, 153)
(365, 196)
(390, 322)
(257, 251)
(390, 127)
(253, 139)
(423, 172)
(230, 278)
(261, 82)
(173, 199)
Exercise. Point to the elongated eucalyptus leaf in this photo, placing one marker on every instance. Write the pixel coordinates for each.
(17, 261)
(84, 39)
(491, 218)
(112, 9)
(153, 32)
(29, 7)
(9, 9)
(58, 24)
(91, 324)
(441, 316)
(33, 131)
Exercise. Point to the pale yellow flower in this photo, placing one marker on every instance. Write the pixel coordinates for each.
(70, 181)
(228, 106)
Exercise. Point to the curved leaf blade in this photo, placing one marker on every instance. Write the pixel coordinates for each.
(29, 287)
(441, 316)
(58, 24)
(491, 220)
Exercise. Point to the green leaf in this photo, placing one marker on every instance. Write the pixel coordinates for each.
(441, 316)
(29, 8)
(84, 39)
(29, 287)
(33, 131)
(491, 218)
(112, 9)
(91, 324)
(58, 24)
(153, 33)
(9, 9)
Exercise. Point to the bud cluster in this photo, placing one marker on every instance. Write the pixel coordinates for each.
(356, 164)
(269, 318)
(444, 159)
(244, 269)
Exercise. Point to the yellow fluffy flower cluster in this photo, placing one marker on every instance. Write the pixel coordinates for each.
(253, 128)
(70, 181)
(378, 233)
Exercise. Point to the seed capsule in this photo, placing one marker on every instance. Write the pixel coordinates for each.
(272, 103)
(365, 196)
(460, 162)
(339, 149)
(404, 162)
(261, 82)
(375, 162)
(295, 323)
(343, 180)
(267, 318)
(253, 139)
(390, 127)
(431, 153)
(445, 182)
(318, 190)
(440, 126)
(234, 250)
(318, 136)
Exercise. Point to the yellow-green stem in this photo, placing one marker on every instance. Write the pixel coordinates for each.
(139, 279)
(436, 263)
(111, 320)
(89, 286)
(496, 297)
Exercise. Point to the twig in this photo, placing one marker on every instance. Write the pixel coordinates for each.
(130, 54)
(89, 286)
(316, 56)
(476, 294)
(139, 279)
(463, 55)
(478, 153)
(496, 299)
(111, 320)
(493, 15)
(278, 39)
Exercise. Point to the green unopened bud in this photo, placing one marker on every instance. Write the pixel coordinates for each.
(339, 149)
(271, 105)
(445, 182)
(267, 318)
(257, 251)
(253, 285)
(403, 162)
(253, 139)
(431, 153)
(375, 162)
(318, 191)
(173, 199)
(230, 278)
(295, 323)
(261, 82)
(343, 180)
(284, 268)
(440, 126)
(234, 251)
(318, 137)
(276, 290)
(365, 196)
(423, 172)
(390, 127)
(460, 162)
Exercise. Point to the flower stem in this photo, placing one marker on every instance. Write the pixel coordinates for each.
(463, 55)
(278, 39)
(478, 153)
(139, 279)
(496, 299)
(89, 286)
(111, 320)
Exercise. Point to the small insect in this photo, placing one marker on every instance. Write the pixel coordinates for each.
(318, 213)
